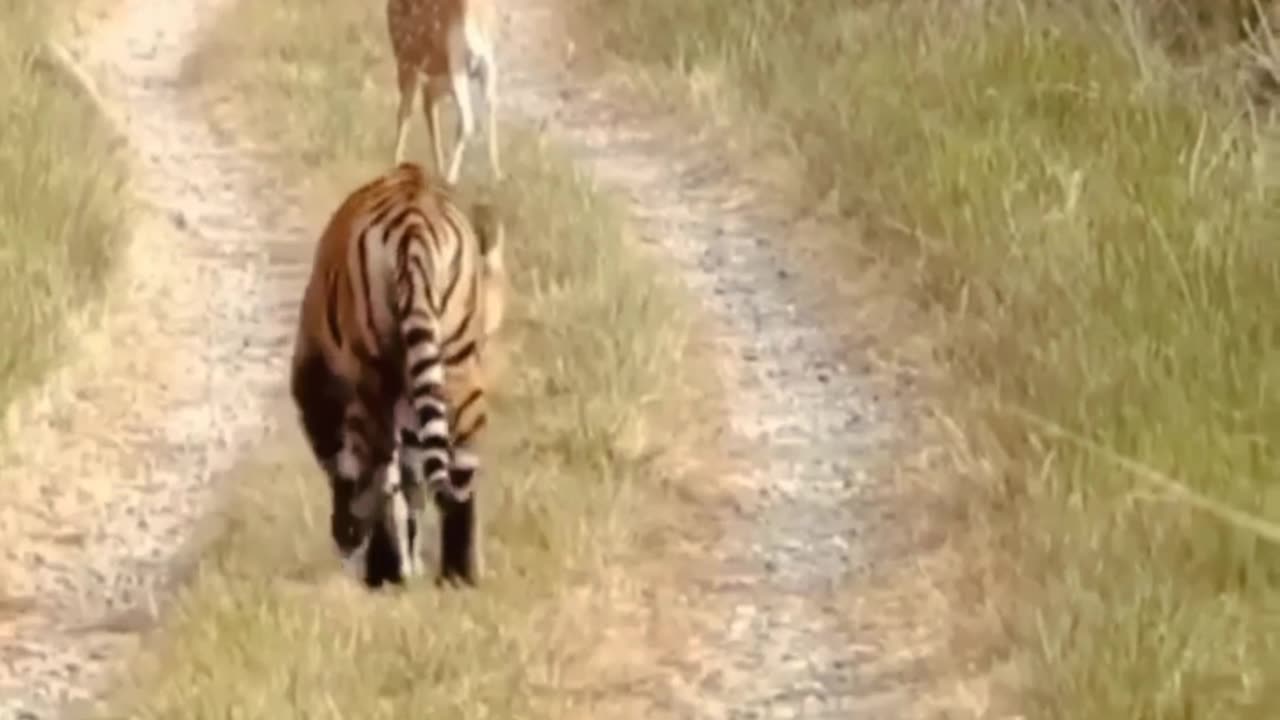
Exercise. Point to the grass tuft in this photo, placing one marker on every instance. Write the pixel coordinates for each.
(1095, 231)
(62, 209)
(267, 628)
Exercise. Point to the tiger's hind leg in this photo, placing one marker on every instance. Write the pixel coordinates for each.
(414, 483)
(325, 407)
(460, 537)
(382, 559)
(392, 555)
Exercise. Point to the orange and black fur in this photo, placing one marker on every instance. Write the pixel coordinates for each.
(387, 373)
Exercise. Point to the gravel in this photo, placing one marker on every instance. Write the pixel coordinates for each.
(114, 461)
(118, 457)
(809, 427)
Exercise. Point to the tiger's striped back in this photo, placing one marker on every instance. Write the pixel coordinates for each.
(405, 290)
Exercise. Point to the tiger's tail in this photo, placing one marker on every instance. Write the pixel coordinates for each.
(428, 449)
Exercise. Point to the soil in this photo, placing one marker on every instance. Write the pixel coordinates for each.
(810, 421)
(117, 455)
(120, 453)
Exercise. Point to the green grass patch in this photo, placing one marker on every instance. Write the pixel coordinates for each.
(62, 219)
(267, 628)
(1097, 232)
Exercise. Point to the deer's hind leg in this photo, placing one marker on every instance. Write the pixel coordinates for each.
(460, 88)
(432, 94)
(407, 80)
(487, 75)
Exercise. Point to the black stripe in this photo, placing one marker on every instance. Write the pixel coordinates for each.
(418, 312)
(467, 351)
(404, 280)
(455, 275)
(415, 261)
(418, 336)
(462, 328)
(432, 442)
(465, 436)
(424, 291)
(460, 478)
(425, 389)
(429, 413)
(401, 216)
(460, 333)
(433, 465)
(363, 257)
(363, 355)
(402, 248)
(422, 366)
(331, 313)
(382, 209)
(378, 215)
(430, 251)
(458, 225)
(471, 399)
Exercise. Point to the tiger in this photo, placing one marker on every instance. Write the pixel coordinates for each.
(440, 46)
(405, 291)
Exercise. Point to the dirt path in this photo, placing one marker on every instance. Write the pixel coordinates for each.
(809, 429)
(116, 461)
(119, 459)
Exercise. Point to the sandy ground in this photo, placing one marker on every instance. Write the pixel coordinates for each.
(118, 457)
(770, 632)
(115, 460)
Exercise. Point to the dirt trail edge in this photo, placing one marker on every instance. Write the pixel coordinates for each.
(808, 426)
(115, 461)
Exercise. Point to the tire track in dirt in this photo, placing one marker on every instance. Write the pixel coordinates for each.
(809, 429)
(114, 462)
(118, 460)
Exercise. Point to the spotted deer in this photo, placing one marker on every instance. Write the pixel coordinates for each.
(440, 46)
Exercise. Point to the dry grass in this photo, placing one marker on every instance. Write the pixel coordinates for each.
(1195, 27)
(267, 628)
(1094, 229)
(62, 216)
